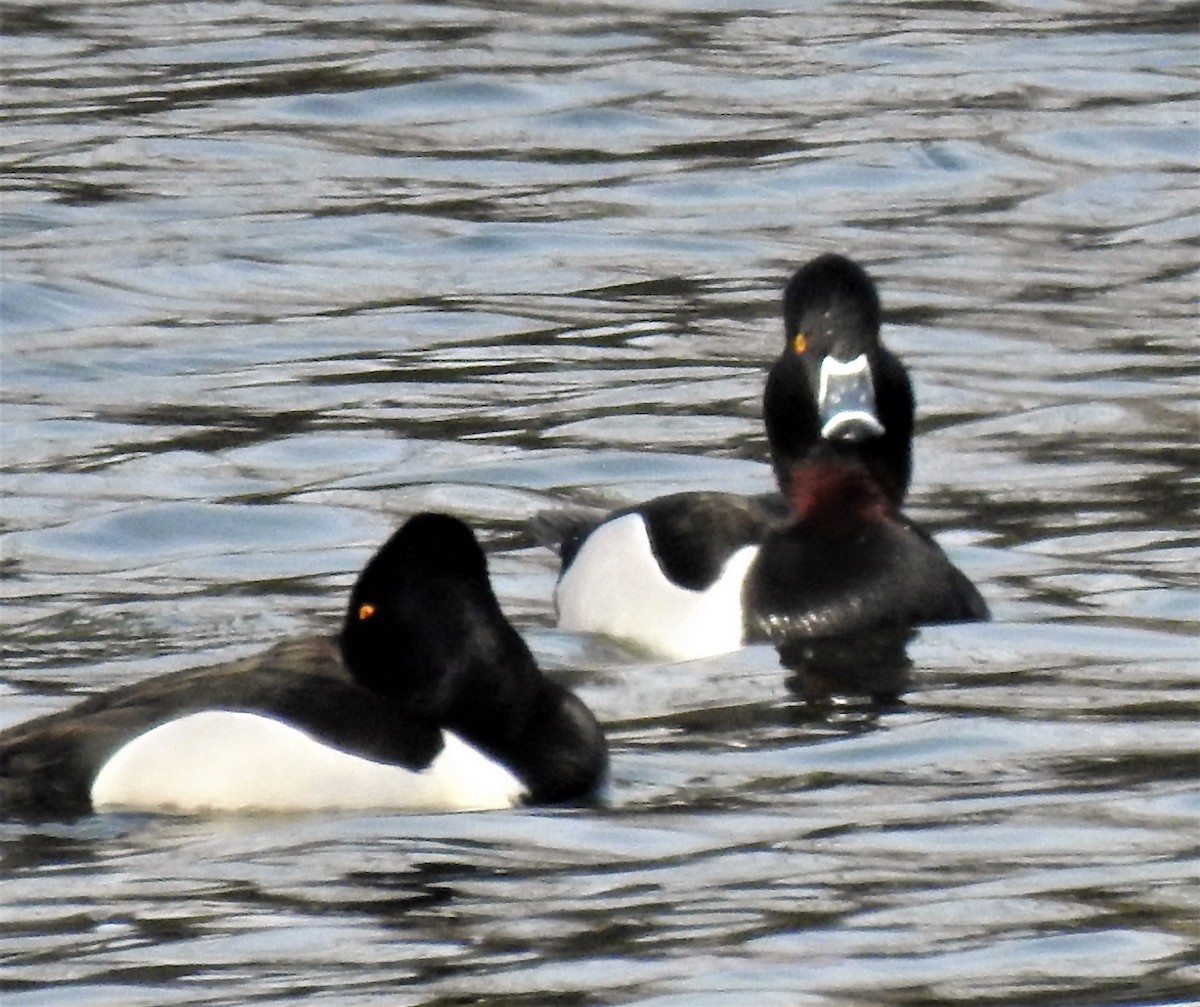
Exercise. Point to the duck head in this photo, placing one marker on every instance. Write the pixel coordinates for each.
(836, 391)
(424, 628)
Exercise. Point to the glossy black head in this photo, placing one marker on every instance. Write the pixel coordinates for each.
(834, 303)
(836, 391)
(424, 628)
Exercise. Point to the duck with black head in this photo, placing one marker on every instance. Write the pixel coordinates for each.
(692, 574)
(427, 700)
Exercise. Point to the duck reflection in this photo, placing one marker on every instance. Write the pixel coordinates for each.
(873, 666)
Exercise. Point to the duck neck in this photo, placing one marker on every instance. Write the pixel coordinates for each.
(559, 750)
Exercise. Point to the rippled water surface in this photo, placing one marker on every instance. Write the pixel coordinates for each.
(278, 274)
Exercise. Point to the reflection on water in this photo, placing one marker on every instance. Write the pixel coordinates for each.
(277, 275)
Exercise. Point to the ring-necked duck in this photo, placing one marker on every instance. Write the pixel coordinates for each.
(427, 700)
(692, 574)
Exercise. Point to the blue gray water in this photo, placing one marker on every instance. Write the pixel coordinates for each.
(278, 274)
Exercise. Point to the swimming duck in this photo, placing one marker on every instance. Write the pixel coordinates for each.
(694, 574)
(428, 699)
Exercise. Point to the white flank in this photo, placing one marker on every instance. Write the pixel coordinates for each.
(221, 760)
(615, 587)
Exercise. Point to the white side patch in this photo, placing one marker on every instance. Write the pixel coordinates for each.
(221, 760)
(615, 587)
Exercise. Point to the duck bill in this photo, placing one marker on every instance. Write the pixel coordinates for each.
(846, 400)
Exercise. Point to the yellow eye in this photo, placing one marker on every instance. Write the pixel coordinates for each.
(800, 343)
(365, 611)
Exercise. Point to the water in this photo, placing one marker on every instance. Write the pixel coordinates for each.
(278, 274)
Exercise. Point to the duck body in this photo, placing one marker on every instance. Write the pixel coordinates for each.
(850, 563)
(689, 575)
(841, 560)
(390, 714)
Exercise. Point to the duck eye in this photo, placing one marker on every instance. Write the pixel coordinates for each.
(365, 611)
(800, 342)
